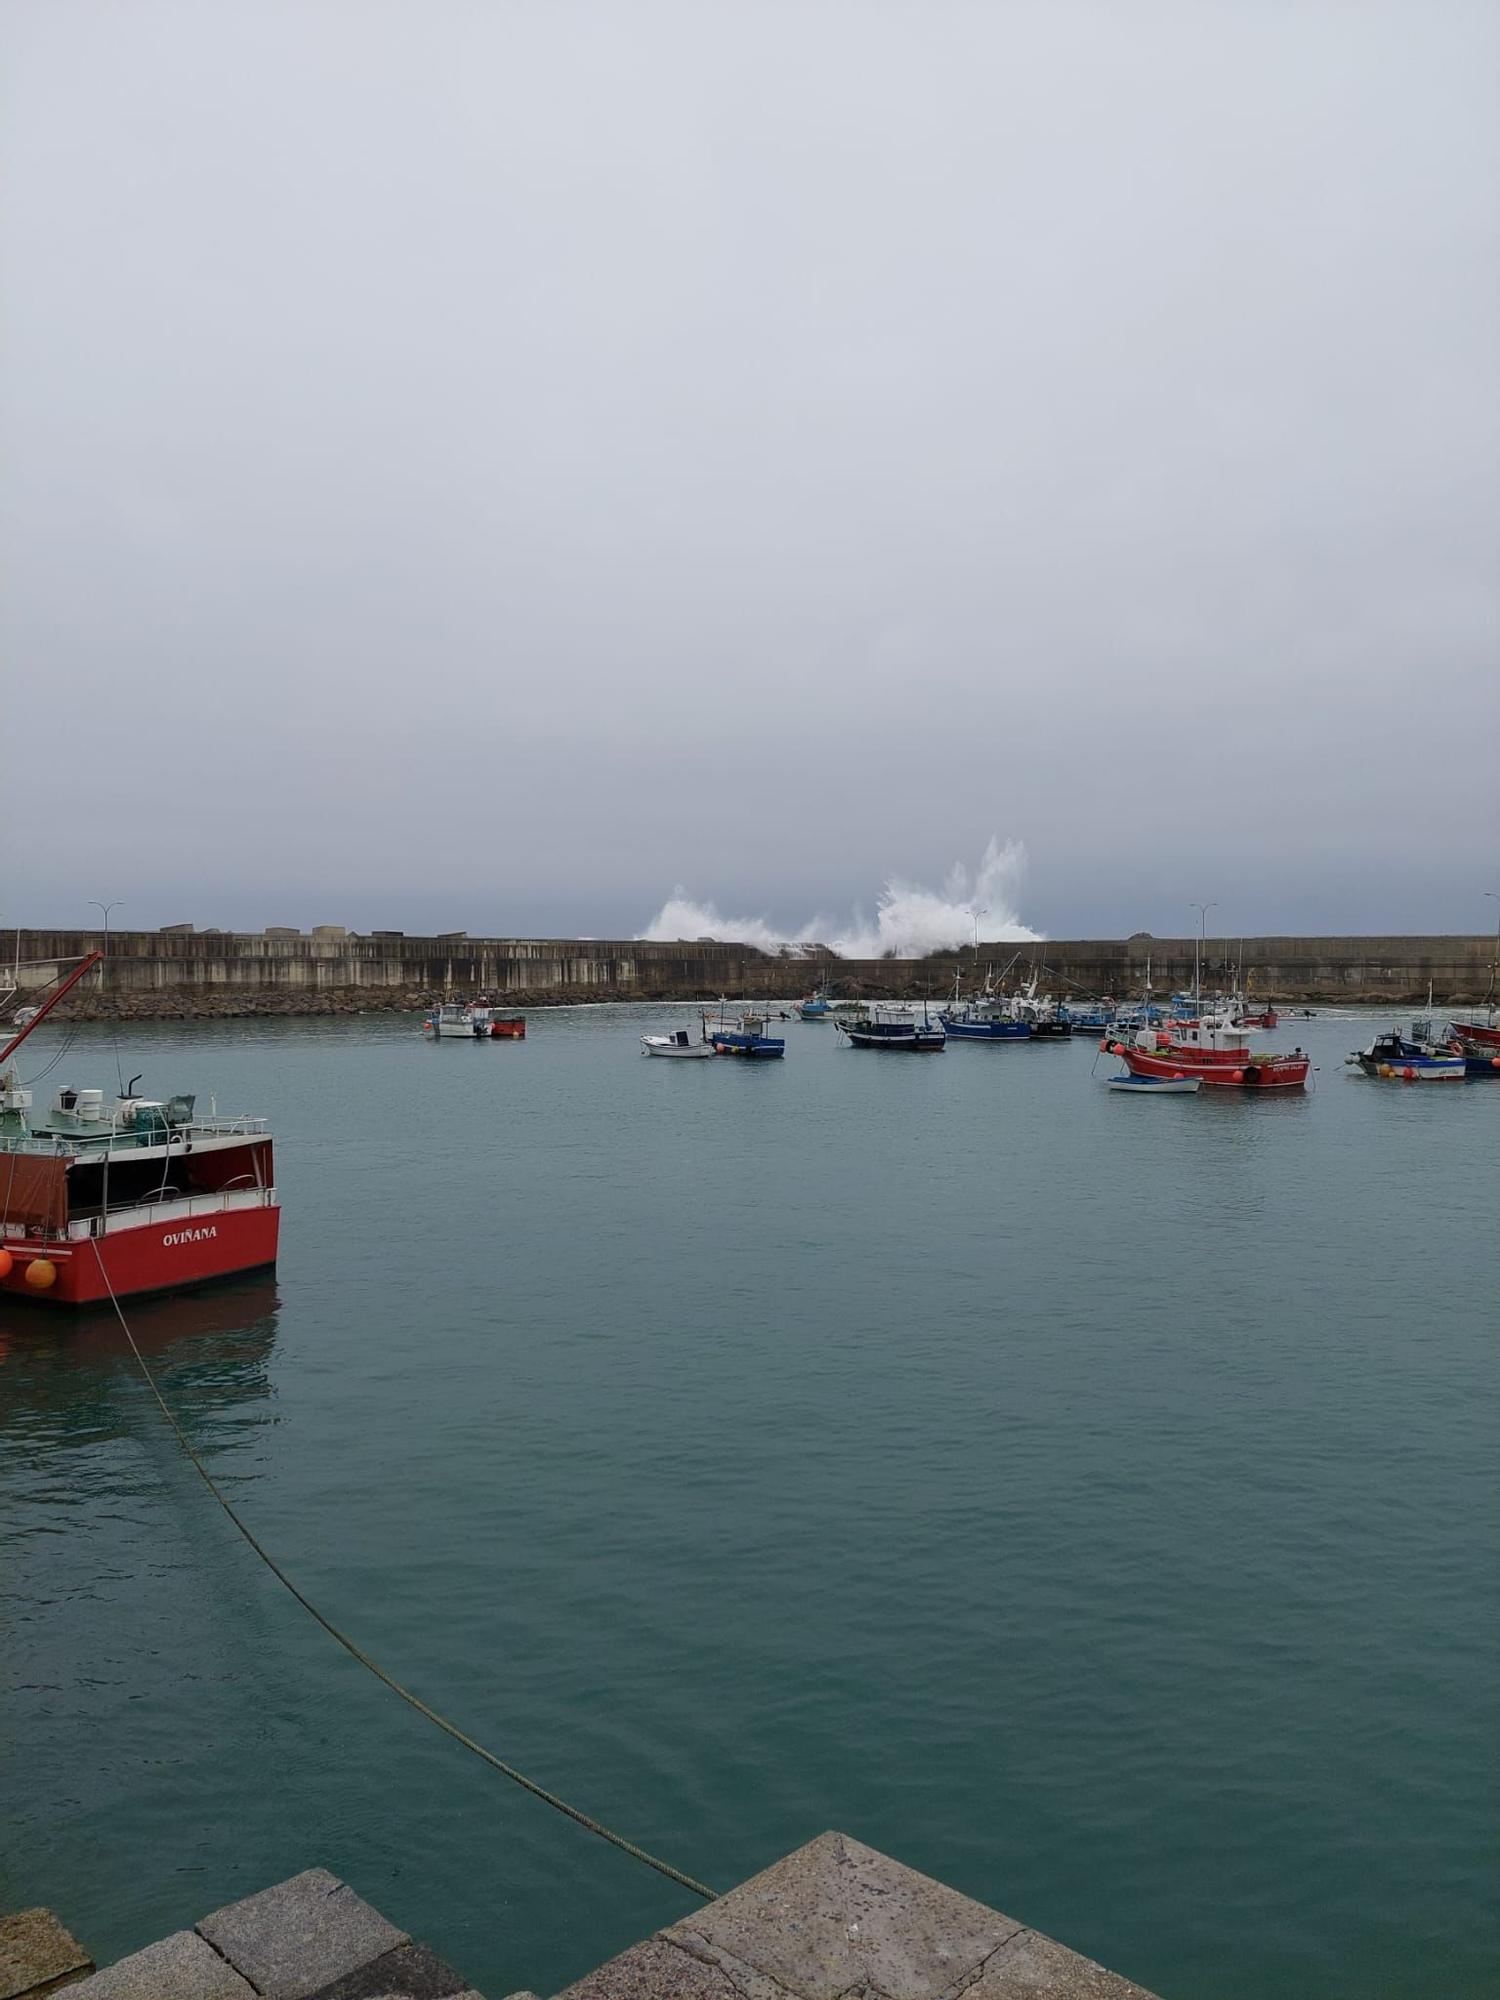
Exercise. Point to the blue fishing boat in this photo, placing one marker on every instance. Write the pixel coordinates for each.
(1414, 1058)
(1090, 1017)
(742, 1035)
(815, 1007)
(912, 1029)
(988, 1017)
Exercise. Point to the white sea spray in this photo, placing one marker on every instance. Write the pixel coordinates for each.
(910, 919)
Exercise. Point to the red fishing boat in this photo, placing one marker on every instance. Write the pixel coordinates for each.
(126, 1196)
(1479, 1041)
(1215, 1051)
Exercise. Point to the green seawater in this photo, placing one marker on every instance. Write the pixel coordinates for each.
(1088, 1501)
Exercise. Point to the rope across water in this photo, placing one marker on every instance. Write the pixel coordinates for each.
(357, 1652)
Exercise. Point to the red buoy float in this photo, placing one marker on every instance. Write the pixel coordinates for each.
(1237, 1076)
(6, 1262)
(1409, 1073)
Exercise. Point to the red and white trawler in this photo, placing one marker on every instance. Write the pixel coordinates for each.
(129, 1196)
(1215, 1050)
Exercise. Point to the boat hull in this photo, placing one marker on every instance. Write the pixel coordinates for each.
(1480, 1047)
(1156, 1086)
(1265, 1073)
(754, 1048)
(987, 1031)
(905, 1041)
(1415, 1069)
(147, 1257)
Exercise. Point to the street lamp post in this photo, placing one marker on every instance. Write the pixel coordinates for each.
(1201, 941)
(976, 913)
(95, 904)
(1493, 895)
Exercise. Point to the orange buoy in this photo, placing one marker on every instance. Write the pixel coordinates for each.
(1495, 1062)
(1238, 1075)
(6, 1261)
(41, 1273)
(1384, 1069)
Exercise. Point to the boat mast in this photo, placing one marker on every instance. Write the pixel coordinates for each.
(43, 1011)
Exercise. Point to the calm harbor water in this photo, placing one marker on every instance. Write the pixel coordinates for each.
(1091, 1502)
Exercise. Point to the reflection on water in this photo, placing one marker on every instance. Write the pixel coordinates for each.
(207, 1349)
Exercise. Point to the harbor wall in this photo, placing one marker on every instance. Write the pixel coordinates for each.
(184, 973)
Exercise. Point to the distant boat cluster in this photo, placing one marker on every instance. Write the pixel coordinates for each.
(1189, 1042)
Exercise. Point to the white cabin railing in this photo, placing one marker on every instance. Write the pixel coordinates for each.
(141, 1214)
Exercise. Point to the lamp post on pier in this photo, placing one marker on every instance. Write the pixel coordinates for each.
(95, 904)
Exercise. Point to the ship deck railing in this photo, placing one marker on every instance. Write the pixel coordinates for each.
(133, 1139)
(140, 1214)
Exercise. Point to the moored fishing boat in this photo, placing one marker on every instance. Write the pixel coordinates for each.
(678, 1044)
(495, 1025)
(453, 1021)
(742, 1035)
(1479, 1043)
(903, 1028)
(988, 1017)
(1045, 1020)
(1090, 1017)
(816, 1007)
(1213, 1049)
(129, 1196)
(1414, 1058)
(473, 1021)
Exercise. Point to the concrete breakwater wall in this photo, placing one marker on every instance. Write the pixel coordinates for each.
(183, 973)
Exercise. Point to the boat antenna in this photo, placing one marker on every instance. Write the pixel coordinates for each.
(1200, 944)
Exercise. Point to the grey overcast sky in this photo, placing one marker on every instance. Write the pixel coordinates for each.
(474, 463)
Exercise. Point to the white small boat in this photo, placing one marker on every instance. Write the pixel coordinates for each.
(680, 1044)
(1157, 1086)
(452, 1021)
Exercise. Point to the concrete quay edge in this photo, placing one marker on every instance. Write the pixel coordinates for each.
(834, 1920)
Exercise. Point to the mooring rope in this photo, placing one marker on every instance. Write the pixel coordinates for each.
(357, 1652)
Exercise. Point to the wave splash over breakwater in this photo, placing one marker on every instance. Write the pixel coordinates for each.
(910, 920)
